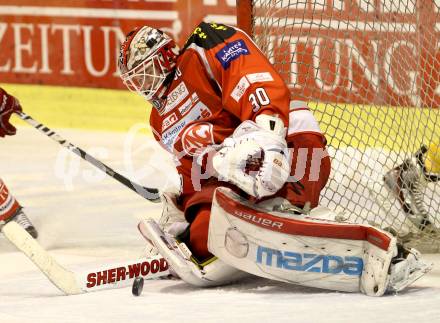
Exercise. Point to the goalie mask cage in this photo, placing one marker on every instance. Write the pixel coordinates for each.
(370, 71)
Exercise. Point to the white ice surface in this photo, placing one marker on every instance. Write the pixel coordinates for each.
(85, 222)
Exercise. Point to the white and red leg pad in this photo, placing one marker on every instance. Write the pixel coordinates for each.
(300, 249)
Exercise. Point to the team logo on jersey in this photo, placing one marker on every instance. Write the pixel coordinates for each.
(196, 137)
(231, 52)
(175, 97)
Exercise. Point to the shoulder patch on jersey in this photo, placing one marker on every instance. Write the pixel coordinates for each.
(240, 89)
(209, 35)
(259, 77)
(244, 83)
(231, 51)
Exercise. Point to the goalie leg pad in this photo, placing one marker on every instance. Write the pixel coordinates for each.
(299, 249)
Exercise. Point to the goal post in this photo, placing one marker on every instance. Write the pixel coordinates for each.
(370, 71)
(245, 15)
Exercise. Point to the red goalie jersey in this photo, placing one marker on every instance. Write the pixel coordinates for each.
(222, 79)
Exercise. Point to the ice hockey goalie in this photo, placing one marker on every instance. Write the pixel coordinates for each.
(242, 145)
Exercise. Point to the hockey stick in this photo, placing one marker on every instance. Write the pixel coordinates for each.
(111, 276)
(151, 194)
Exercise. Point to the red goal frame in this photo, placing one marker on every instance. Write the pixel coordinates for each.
(245, 16)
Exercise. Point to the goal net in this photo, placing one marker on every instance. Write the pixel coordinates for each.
(370, 70)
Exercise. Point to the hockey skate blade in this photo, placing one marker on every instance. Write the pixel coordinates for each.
(415, 275)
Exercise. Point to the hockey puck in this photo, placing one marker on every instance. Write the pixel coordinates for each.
(138, 285)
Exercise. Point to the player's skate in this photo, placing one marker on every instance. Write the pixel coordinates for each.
(407, 183)
(406, 268)
(21, 218)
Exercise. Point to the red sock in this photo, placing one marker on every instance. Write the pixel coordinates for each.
(199, 233)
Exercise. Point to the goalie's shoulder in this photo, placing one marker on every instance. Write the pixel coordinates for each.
(209, 35)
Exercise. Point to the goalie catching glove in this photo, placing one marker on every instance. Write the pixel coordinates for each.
(255, 157)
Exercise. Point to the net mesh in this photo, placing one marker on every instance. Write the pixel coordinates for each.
(369, 70)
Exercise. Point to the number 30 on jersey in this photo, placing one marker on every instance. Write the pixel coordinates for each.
(258, 99)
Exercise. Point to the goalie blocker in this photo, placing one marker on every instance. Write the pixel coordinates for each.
(310, 250)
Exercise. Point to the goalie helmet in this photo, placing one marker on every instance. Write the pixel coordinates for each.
(146, 58)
